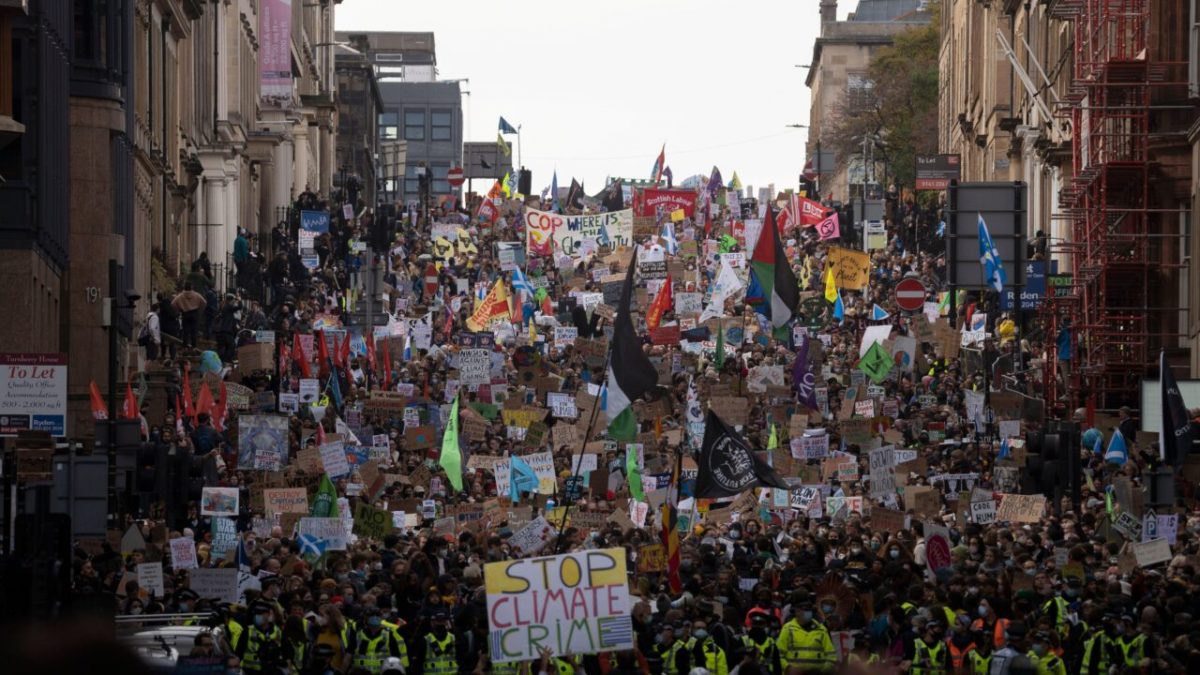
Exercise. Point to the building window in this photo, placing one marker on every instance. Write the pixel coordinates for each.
(440, 185)
(440, 125)
(414, 125)
(412, 187)
(389, 126)
(858, 91)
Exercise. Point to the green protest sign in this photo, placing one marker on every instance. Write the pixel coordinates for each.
(371, 522)
(876, 363)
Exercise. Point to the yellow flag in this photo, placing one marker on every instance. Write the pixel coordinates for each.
(493, 306)
(504, 185)
(502, 145)
(532, 333)
(830, 284)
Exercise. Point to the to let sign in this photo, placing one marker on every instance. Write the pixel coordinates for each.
(33, 393)
(934, 172)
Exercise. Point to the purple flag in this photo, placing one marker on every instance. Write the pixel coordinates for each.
(714, 182)
(802, 378)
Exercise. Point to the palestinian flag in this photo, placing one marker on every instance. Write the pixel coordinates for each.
(630, 373)
(771, 273)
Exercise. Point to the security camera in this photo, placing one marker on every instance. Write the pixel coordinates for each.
(132, 296)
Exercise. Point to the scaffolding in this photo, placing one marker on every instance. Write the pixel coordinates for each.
(1123, 303)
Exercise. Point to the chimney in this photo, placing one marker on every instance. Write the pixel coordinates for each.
(828, 10)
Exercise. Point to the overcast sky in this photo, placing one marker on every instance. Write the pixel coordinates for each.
(598, 87)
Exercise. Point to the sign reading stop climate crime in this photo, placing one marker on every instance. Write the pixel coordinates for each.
(576, 603)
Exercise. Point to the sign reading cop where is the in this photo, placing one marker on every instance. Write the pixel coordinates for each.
(576, 603)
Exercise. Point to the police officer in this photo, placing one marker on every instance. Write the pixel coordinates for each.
(803, 641)
(261, 646)
(760, 646)
(372, 644)
(439, 656)
(667, 648)
(931, 656)
(1048, 663)
(1099, 646)
(186, 604)
(1133, 645)
(702, 651)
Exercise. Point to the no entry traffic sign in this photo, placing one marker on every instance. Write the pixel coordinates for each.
(910, 294)
(455, 176)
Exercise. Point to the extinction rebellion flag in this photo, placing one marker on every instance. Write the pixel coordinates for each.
(728, 465)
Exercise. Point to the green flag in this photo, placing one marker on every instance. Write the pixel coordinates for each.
(451, 458)
(634, 474)
(325, 502)
(624, 427)
(773, 441)
(876, 363)
(719, 356)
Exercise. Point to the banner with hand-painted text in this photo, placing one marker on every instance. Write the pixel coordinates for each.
(549, 233)
(576, 603)
(651, 201)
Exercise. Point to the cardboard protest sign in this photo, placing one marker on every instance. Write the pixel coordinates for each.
(1149, 553)
(262, 441)
(372, 522)
(214, 584)
(150, 578)
(285, 500)
(579, 602)
(219, 501)
(1021, 508)
(851, 269)
(333, 459)
(533, 537)
(183, 553)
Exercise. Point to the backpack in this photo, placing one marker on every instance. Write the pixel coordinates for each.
(143, 338)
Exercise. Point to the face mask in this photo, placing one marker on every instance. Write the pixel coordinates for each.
(660, 639)
(856, 550)
(1072, 593)
(1039, 649)
(1031, 572)
(261, 620)
(894, 553)
(341, 577)
(806, 615)
(827, 609)
(700, 634)
(135, 610)
(758, 634)
(875, 546)
(982, 611)
(440, 631)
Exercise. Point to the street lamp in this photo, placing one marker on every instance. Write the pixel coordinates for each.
(797, 126)
(804, 65)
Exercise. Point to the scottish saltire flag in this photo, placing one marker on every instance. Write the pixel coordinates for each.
(312, 545)
(408, 348)
(521, 284)
(1117, 453)
(878, 313)
(668, 237)
(989, 257)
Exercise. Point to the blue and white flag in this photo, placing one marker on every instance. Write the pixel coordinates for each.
(312, 545)
(839, 309)
(878, 313)
(1117, 453)
(521, 478)
(408, 348)
(1005, 449)
(668, 237)
(521, 284)
(989, 257)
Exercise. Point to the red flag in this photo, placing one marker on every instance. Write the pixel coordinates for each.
(320, 434)
(387, 367)
(369, 338)
(204, 401)
(189, 410)
(661, 303)
(131, 411)
(322, 354)
(344, 356)
(300, 357)
(220, 410)
(99, 410)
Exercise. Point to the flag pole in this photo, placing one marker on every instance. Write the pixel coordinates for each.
(567, 501)
(520, 166)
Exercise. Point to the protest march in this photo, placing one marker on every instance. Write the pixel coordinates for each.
(657, 431)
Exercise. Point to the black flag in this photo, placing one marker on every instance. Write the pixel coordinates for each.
(727, 464)
(613, 197)
(575, 195)
(1175, 438)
